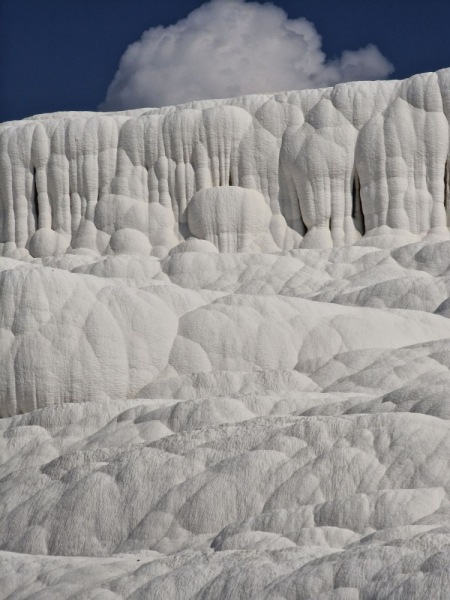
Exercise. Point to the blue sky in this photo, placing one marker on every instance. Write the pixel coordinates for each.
(63, 54)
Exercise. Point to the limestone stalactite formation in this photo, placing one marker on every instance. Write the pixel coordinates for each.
(225, 348)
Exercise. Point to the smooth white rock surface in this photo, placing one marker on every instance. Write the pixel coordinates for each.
(225, 349)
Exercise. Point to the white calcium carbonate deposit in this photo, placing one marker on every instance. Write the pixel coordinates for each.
(225, 348)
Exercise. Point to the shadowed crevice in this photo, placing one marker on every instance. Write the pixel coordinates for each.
(446, 188)
(357, 210)
(35, 200)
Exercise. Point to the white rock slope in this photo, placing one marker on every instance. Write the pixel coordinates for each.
(225, 349)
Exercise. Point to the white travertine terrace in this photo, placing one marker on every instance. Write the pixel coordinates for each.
(331, 164)
(225, 349)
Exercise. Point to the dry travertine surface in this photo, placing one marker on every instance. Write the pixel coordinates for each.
(311, 169)
(197, 406)
(286, 432)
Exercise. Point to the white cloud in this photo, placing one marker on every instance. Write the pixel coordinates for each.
(228, 48)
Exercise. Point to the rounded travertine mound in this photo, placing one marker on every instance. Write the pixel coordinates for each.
(193, 245)
(232, 218)
(130, 241)
(154, 221)
(46, 242)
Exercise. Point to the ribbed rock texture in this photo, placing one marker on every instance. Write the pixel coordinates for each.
(225, 349)
(329, 164)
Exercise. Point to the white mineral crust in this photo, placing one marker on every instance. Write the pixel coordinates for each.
(225, 348)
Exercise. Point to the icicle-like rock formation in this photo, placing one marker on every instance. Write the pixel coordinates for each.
(331, 165)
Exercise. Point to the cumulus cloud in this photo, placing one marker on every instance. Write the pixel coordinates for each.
(228, 48)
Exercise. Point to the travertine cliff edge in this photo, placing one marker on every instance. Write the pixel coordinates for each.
(324, 168)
